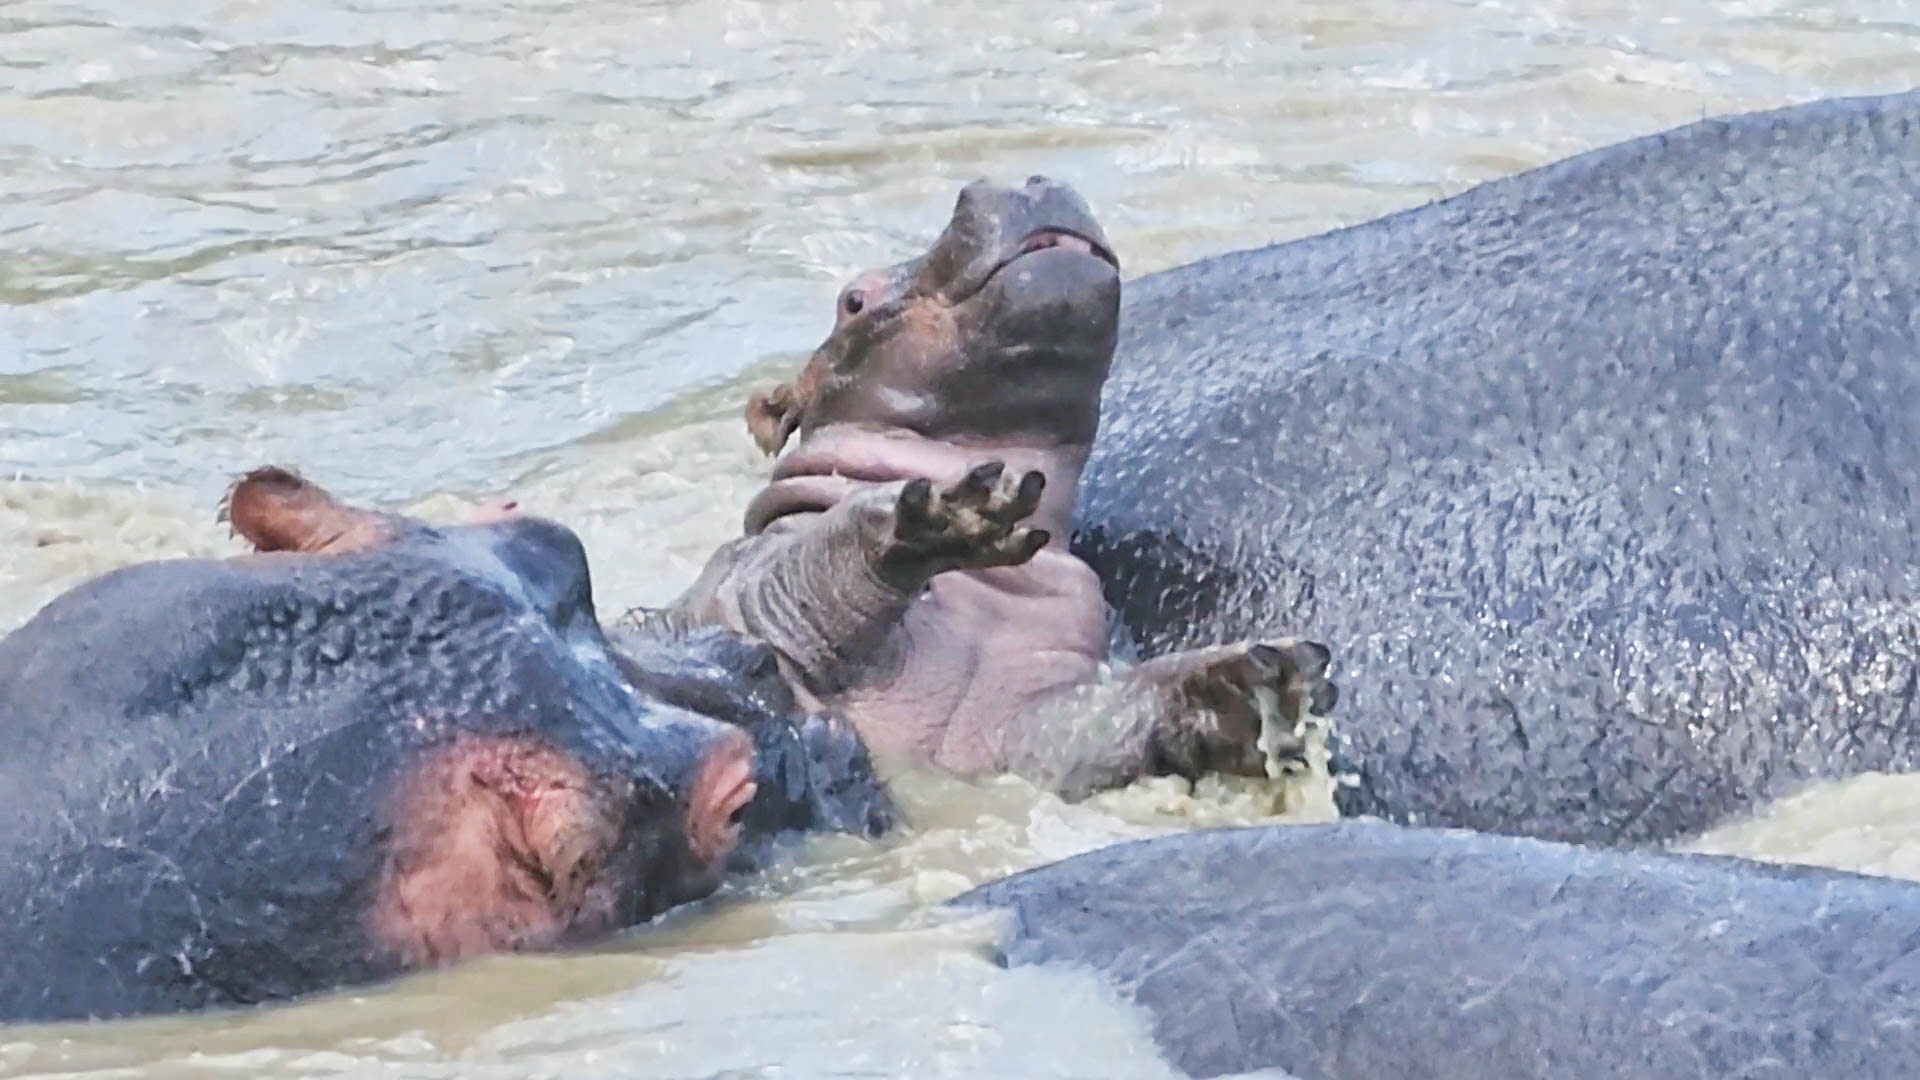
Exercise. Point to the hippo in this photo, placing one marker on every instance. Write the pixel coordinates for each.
(1369, 949)
(907, 561)
(1599, 479)
(372, 746)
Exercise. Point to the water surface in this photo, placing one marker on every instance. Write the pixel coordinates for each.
(434, 251)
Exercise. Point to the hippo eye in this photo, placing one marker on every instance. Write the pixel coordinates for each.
(852, 302)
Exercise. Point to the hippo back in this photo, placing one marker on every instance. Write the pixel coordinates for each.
(1598, 480)
(1366, 950)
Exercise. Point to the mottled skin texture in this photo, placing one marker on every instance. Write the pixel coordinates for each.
(1600, 480)
(905, 561)
(1367, 949)
(372, 747)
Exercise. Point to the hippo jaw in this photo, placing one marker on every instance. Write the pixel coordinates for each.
(1003, 330)
(839, 462)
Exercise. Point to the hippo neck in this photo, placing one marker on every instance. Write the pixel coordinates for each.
(833, 463)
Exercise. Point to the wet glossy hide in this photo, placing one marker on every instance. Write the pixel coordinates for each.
(237, 781)
(812, 771)
(1599, 481)
(1373, 950)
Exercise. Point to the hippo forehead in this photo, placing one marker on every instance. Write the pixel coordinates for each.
(535, 558)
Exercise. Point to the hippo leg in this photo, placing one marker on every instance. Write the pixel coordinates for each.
(1241, 708)
(847, 578)
(973, 525)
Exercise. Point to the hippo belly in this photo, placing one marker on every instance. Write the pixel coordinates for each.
(1599, 480)
(1357, 949)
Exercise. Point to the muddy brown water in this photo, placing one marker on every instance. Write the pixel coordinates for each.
(436, 251)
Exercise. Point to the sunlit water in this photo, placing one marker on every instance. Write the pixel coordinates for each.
(430, 252)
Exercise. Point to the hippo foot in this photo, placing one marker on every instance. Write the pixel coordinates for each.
(972, 525)
(1244, 709)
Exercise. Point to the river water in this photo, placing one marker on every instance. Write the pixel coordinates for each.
(431, 252)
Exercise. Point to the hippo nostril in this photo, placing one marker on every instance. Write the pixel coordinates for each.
(1036, 180)
(853, 301)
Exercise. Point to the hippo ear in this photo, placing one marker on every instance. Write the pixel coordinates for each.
(772, 417)
(274, 509)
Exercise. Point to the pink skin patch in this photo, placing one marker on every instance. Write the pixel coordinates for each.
(276, 510)
(498, 845)
(723, 787)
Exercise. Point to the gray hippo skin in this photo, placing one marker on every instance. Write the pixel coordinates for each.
(372, 746)
(903, 562)
(1599, 480)
(1373, 950)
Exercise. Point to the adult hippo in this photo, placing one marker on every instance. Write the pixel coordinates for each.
(907, 561)
(1372, 950)
(374, 746)
(1599, 480)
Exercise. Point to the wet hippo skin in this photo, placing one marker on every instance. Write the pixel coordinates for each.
(372, 747)
(1598, 481)
(907, 559)
(1373, 950)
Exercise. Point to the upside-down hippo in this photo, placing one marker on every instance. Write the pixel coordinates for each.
(372, 746)
(908, 559)
(1599, 480)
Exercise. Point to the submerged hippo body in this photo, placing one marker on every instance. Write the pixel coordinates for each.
(1599, 480)
(908, 562)
(1366, 949)
(378, 747)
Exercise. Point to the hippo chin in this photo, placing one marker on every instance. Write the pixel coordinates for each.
(907, 561)
(371, 747)
(1601, 478)
(1365, 949)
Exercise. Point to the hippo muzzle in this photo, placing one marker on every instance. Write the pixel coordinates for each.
(1004, 329)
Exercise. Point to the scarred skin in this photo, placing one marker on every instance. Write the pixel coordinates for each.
(908, 562)
(370, 747)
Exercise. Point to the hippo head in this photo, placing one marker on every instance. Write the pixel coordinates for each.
(1003, 332)
(536, 794)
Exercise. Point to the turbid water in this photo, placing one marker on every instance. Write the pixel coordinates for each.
(436, 251)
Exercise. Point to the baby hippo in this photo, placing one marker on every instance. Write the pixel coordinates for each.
(908, 562)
